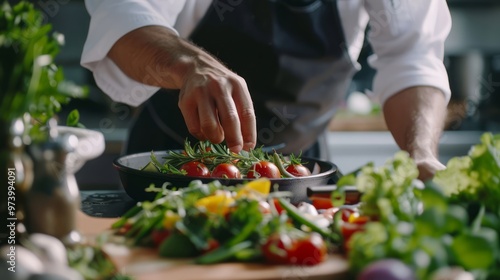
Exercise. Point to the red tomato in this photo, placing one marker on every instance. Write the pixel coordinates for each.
(321, 203)
(276, 249)
(264, 169)
(158, 235)
(195, 169)
(309, 251)
(282, 249)
(277, 205)
(354, 223)
(298, 170)
(226, 170)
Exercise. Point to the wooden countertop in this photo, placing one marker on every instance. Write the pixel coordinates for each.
(144, 263)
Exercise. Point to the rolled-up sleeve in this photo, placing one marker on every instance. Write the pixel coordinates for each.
(407, 38)
(110, 20)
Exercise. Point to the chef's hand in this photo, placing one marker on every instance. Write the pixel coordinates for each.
(216, 104)
(415, 116)
(214, 101)
(427, 168)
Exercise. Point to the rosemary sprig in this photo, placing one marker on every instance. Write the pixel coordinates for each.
(214, 154)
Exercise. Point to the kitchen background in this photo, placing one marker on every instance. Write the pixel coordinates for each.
(358, 134)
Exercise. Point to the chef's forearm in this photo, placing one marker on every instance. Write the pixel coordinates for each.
(153, 55)
(415, 116)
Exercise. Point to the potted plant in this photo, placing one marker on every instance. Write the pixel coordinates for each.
(31, 84)
(32, 91)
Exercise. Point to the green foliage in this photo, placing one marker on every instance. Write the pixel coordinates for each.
(388, 190)
(30, 82)
(92, 263)
(475, 177)
(453, 220)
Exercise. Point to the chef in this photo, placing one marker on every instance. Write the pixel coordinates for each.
(269, 72)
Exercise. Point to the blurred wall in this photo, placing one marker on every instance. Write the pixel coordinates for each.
(472, 60)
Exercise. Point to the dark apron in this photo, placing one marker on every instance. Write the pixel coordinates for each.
(293, 56)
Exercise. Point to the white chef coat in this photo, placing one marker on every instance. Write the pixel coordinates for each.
(407, 37)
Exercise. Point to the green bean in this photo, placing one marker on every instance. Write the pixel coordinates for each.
(293, 213)
(282, 169)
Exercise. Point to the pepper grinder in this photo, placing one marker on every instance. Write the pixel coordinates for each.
(53, 200)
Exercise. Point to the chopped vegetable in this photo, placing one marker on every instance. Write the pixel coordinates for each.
(215, 223)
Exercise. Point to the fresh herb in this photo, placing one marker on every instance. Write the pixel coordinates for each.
(452, 221)
(475, 177)
(93, 264)
(31, 82)
(211, 155)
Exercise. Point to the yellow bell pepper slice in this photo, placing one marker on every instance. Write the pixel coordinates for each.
(169, 219)
(261, 186)
(218, 203)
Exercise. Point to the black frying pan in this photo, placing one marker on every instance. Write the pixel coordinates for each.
(134, 180)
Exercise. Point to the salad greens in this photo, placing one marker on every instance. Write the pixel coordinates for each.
(452, 221)
(215, 223)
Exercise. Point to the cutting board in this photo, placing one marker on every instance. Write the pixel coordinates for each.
(145, 264)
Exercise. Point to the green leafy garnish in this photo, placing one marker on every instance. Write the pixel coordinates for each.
(453, 220)
(31, 82)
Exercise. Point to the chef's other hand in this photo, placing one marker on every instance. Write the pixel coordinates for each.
(214, 101)
(428, 167)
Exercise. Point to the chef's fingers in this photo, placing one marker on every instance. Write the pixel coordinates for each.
(209, 120)
(222, 90)
(189, 109)
(246, 113)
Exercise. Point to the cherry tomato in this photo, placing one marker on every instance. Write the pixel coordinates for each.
(226, 170)
(298, 170)
(355, 223)
(264, 169)
(309, 251)
(195, 169)
(276, 249)
(282, 249)
(158, 235)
